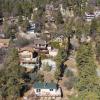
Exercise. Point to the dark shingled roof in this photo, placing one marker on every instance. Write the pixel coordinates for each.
(39, 41)
(42, 85)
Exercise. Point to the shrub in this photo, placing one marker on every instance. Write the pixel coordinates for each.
(46, 67)
(55, 44)
(68, 73)
(70, 83)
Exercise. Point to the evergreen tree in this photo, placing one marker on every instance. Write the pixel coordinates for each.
(87, 80)
(11, 78)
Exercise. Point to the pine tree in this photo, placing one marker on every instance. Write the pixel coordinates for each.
(87, 80)
(11, 78)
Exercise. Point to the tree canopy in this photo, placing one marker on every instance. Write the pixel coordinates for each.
(11, 76)
(88, 81)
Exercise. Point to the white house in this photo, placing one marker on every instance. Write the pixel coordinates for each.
(89, 16)
(46, 89)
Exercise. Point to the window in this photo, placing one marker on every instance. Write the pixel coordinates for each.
(39, 45)
(38, 90)
(51, 89)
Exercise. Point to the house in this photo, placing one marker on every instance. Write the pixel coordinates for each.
(89, 16)
(40, 43)
(28, 58)
(94, 14)
(36, 26)
(59, 38)
(4, 43)
(85, 39)
(46, 89)
(33, 30)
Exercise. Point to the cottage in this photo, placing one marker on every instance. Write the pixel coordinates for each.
(39, 43)
(46, 89)
(4, 43)
(89, 16)
(59, 38)
(36, 26)
(85, 39)
(34, 29)
(28, 58)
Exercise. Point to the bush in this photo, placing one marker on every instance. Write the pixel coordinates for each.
(46, 67)
(70, 83)
(36, 77)
(98, 51)
(68, 73)
(42, 55)
(55, 45)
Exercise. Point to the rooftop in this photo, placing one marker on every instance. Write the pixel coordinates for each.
(42, 85)
(39, 41)
(27, 48)
(5, 41)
